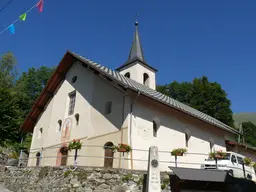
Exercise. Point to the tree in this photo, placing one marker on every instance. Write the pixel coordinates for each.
(10, 116)
(8, 71)
(207, 97)
(249, 130)
(30, 85)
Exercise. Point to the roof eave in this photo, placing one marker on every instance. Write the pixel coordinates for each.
(133, 61)
(229, 129)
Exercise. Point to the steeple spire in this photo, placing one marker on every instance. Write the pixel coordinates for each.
(136, 51)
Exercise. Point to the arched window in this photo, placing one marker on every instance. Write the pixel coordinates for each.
(40, 133)
(146, 79)
(59, 125)
(127, 75)
(187, 139)
(109, 154)
(154, 129)
(77, 118)
(108, 107)
(38, 157)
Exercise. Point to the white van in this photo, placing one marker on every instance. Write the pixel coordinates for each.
(233, 163)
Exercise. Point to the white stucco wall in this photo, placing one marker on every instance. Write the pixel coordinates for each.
(137, 70)
(171, 135)
(92, 93)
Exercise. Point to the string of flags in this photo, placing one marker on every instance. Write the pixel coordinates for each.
(23, 17)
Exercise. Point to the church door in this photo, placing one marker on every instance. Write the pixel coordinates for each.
(64, 156)
(109, 154)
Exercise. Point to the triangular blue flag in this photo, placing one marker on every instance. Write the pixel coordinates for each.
(12, 29)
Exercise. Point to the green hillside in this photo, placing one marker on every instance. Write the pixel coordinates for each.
(243, 117)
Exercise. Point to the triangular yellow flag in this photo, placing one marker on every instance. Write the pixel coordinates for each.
(23, 16)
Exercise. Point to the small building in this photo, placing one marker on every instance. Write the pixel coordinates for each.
(242, 149)
(103, 107)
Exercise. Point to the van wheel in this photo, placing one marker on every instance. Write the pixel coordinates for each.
(249, 176)
(231, 173)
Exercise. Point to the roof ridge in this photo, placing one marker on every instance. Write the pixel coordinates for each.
(152, 93)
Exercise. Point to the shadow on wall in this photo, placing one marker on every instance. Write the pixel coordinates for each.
(106, 101)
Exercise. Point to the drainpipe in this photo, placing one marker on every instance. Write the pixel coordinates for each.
(131, 113)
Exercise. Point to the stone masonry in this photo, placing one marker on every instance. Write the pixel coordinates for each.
(83, 179)
(3, 158)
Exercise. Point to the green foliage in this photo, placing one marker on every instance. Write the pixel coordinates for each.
(247, 161)
(30, 85)
(217, 154)
(122, 148)
(75, 144)
(127, 177)
(249, 130)
(207, 97)
(8, 71)
(10, 117)
(165, 183)
(17, 95)
(66, 173)
(13, 155)
(178, 152)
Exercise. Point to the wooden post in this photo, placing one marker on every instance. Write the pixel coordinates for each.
(244, 170)
(216, 162)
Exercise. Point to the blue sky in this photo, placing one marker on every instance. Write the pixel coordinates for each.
(182, 39)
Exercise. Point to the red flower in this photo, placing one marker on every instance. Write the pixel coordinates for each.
(78, 140)
(74, 140)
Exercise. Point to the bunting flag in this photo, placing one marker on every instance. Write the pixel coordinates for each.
(12, 29)
(40, 5)
(23, 16)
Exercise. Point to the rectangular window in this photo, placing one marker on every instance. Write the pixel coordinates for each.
(233, 159)
(108, 107)
(240, 160)
(72, 102)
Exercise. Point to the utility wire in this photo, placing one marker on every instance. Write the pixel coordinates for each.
(1, 10)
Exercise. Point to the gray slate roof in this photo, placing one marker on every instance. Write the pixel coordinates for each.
(144, 90)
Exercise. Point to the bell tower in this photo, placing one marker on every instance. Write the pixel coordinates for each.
(136, 67)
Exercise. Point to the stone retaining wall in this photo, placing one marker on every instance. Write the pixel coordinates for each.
(3, 159)
(83, 179)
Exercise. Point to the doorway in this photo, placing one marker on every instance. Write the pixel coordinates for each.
(109, 155)
(38, 157)
(64, 156)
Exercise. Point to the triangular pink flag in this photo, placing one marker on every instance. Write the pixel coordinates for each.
(40, 5)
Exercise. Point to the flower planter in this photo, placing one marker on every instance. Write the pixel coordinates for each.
(178, 152)
(121, 150)
(218, 157)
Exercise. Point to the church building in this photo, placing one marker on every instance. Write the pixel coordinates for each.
(103, 107)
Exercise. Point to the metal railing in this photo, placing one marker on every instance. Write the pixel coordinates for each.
(184, 161)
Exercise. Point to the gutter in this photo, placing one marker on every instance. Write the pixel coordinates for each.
(131, 113)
